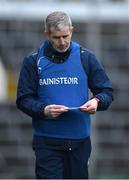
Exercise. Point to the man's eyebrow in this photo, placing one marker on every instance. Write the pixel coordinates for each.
(60, 36)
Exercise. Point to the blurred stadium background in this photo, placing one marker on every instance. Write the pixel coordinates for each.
(102, 26)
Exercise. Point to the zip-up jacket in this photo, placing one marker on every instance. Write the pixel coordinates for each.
(49, 77)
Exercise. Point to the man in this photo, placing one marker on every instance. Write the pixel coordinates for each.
(53, 90)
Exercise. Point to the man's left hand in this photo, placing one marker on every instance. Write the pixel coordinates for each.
(90, 107)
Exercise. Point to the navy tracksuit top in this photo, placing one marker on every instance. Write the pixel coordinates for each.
(45, 80)
(63, 84)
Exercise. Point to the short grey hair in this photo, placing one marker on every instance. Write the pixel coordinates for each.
(58, 20)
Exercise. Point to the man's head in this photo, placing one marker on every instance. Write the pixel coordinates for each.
(58, 29)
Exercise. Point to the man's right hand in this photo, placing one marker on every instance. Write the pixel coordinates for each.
(54, 111)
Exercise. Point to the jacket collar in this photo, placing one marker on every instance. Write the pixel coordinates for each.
(54, 55)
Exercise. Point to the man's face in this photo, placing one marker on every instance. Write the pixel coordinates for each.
(60, 39)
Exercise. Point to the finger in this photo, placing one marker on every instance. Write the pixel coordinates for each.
(89, 110)
(92, 112)
(60, 110)
(55, 114)
(83, 108)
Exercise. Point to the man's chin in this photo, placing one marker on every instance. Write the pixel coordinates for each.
(62, 50)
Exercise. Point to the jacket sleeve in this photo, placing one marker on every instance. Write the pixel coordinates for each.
(98, 81)
(27, 89)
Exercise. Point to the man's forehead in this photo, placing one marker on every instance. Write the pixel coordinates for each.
(58, 33)
(58, 29)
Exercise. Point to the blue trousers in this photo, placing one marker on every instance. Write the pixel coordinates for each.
(62, 163)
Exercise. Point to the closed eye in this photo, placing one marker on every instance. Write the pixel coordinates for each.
(58, 37)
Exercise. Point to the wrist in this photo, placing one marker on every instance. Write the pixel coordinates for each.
(97, 99)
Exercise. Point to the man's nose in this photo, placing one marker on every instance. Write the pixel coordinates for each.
(61, 41)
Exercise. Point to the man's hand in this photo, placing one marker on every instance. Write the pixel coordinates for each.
(54, 111)
(90, 107)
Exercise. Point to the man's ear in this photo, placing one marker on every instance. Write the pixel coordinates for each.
(46, 33)
(72, 29)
